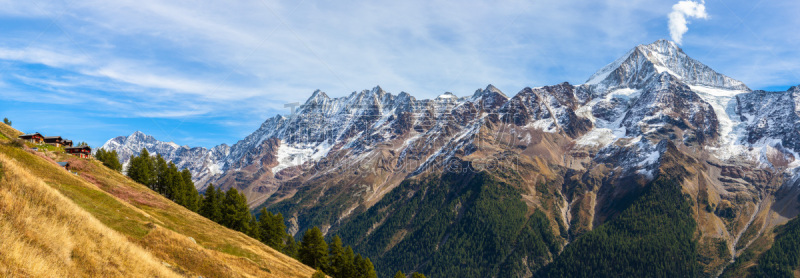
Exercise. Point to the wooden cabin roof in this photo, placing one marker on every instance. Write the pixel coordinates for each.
(79, 148)
(30, 135)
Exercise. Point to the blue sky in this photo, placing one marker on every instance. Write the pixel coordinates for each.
(201, 73)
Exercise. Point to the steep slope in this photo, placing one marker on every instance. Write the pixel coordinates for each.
(470, 225)
(657, 227)
(772, 118)
(390, 172)
(42, 233)
(147, 234)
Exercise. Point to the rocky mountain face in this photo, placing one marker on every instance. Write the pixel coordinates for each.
(645, 62)
(387, 172)
(203, 163)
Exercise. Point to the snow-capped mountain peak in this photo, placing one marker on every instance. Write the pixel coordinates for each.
(490, 89)
(653, 93)
(642, 63)
(203, 163)
(317, 97)
(447, 95)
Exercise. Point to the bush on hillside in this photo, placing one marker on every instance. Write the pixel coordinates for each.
(17, 143)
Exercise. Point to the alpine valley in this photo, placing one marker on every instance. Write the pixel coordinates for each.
(656, 165)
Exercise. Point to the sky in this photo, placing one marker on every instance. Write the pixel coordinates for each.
(202, 73)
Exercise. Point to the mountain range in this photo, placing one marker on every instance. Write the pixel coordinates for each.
(532, 177)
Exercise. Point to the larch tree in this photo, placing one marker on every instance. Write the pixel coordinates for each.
(235, 213)
(313, 249)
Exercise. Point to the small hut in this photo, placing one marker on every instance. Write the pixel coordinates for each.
(54, 140)
(35, 138)
(79, 151)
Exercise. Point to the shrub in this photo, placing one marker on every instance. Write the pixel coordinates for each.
(17, 143)
(318, 274)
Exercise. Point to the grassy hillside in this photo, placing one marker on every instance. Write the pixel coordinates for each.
(97, 222)
(7, 132)
(42, 233)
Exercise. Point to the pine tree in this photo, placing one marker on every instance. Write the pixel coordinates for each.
(141, 169)
(175, 186)
(253, 228)
(417, 275)
(210, 207)
(349, 268)
(313, 249)
(109, 159)
(162, 175)
(235, 213)
(336, 258)
(6, 121)
(220, 199)
(399, 274)
(272, 228)
(190, 192)
(133, 168)
(113, 161)
(364, 267)
(291, 248)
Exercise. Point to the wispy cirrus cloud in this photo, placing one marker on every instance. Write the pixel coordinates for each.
(212, 64)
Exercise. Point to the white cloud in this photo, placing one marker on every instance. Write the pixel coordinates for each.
(681, 11)
(415, 46)
(239, 61)
(41, 56)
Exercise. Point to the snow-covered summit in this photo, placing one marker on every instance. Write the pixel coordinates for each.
(203, 163)
(653, 93)
(642, 63)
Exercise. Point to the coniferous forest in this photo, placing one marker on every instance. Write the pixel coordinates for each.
(653, 236)
(784, 256)
(483, 224)
(229, 208)
(455, 226)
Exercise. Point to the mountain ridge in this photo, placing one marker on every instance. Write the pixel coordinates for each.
(579, 154)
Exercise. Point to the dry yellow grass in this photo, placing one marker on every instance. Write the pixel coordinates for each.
(9, 131)
(145, 220)
(44, 234)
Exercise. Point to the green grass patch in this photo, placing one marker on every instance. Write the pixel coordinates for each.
(105, 208)
(48, 147)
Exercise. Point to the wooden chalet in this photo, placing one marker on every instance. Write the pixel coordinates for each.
(66, 143)
(35, 138)
(54, 140)
(79, 151)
